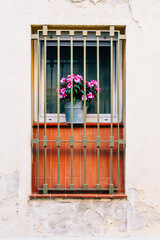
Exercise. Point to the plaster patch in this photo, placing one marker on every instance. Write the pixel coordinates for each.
(140, 214)
(12, 185)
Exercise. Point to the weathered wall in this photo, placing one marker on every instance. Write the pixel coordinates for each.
(140, 214)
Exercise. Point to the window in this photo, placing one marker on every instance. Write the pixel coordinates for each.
(78, 158)
(78, 68)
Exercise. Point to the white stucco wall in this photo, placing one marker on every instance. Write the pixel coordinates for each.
(139, 215)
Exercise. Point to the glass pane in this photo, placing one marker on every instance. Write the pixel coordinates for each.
(51, 79)
(91, 73)
(104, 77)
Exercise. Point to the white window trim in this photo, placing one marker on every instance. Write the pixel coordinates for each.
(104, 118)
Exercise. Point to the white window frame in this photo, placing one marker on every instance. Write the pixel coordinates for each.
(104, 118)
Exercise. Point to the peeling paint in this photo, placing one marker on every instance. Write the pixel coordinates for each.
(140, 214)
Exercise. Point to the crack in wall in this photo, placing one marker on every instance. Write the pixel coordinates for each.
(133, 18)
(136, 21)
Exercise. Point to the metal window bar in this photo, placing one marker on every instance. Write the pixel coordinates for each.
(98, 140)
(71, 137)
(118, 108)
(38, 56)
(111, 186)
(45, 143)
(85, 137)
(58, 140)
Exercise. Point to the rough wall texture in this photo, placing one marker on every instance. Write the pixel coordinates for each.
(78, 218)
(139, 215)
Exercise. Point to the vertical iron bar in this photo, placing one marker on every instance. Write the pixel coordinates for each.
(111, 86)
(98, 140)
(85, 137)
(72, 137)
(118, 109)
(45, 105)
(111, 186)
(58, 106)
(38, 102)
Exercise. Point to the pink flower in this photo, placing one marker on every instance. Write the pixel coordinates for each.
(95, 82)
(56, 89)
(64, 95)
(63, 80)
(90, 95)
(99, 89)
(80, 77)
(83, 97)
(92, 83)
(69, 85)
(69, 76)
(76, 79)
(63, 90)
(68, 80)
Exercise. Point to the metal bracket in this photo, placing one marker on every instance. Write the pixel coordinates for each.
(34, 36)
(58, 141)
(71, 141)
(111, 189)
(111, 141)
(122, 36)
(45, 143)
(45, 188)
(85, 187)
(45, 30)
(84, 141)
(34, 141)
(98, 33)
(58, 33)
(122, 141)
(85, 33)
(58, 186)
(111, 34)
(98, 187)
(98, 141)
(71, 33)
(71, 186)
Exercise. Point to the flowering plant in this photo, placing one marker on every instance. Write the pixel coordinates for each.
(78, 89)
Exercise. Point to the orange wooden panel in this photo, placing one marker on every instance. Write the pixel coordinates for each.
(78, 158)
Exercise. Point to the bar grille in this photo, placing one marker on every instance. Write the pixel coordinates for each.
(47, 139)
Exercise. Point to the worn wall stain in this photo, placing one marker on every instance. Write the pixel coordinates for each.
(12, 185)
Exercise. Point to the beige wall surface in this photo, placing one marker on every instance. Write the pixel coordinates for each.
(139, 215)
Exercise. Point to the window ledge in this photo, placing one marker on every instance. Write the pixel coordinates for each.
(63, 195)
(35, 124)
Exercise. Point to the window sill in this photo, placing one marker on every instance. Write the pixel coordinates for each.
(35, 124)
(63, 195)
